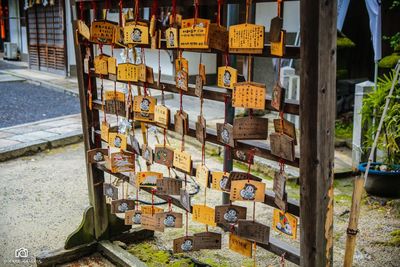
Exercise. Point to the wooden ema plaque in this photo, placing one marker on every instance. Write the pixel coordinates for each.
(118, 38)
(104, 128)
(122, 161)
(127, 72)
(182, 161)
(227, 77)
(171, 36)
(218, 37)
(240, 245)
(169, 186)
(288, 128)
(219, 180)
(181, 76)
(184, 244)
(161, 116)
(150, 222)
(225, 134)
(122, 205)
(198, 90)
(117, 140)
(275, 29)
(102, 31)
(100, 63)
(253, 231)
(193, 38)
(150, 209)
(285, 223)
(244, 190)
(250, 128)
(282, 146)
(133, 217)
(143, 107)
(96, 155)
(110, 191)
(229, 214)
(112, 65)
(278, 97)
(279, 190)
(202, 173)
(246, 38)
(169, 219)
(187, 23)
(243, 156)
(136, 34)
(249, 95)
(185, 199)
(148, 179)
(181, 122)
(149, 78)
(114, 103)
(208, 240)
(235, 176)
(278, 48)
(83, 29)
(147, 154)
(164, 155)
(204, 214)
(201, 132)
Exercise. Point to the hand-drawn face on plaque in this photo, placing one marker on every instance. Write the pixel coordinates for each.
(169, 220)
(248, 192)
(231, 215)
(227, 78)
(136, 35)
(187, 245)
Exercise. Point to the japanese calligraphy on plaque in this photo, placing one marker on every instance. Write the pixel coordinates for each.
(279, 190)
(253, 231)
(133, 217)
(278, 97)
(225, 134)
(285, 223)
(122, 162)
(171, 36)
(150, 209)
(227, 77)
(127, 72)
(101, 64)
(208, 240)
(193, 37)
(136, 34)
(169, 186)
(246, 38)
(122, 205)
(150, 222)
(148, 179)
(161, 116)
(102, 31)
(247, 190)
(170, 219)
(249, 95)
(250, 128)
(114, 102)
(219, 180)
(204, 214)
(288, 128)
(240, 245)
(112, 65)
(83, 29)
(282, 146)
(97, 155)
(278, 48)
(202, 174)
(182, 161)
(143, 107)
(164, 155)
(229, 214)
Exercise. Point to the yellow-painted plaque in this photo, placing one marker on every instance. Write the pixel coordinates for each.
(204, 214)
(202, 72)
(111, 95)
(193, 38)
(122, 161)
(127, 72)
(227, 77)
(247, 190)
(182, 70)
(176, 20)
(249, 95)
(118, 38)
(101, 64)
(102, 31)
(148, 179)
(240, 245)
(246, 38)
(83, 29)
(104, 130)
(285, 223)
(112, 65)
(150, 209)
(202, 23)
(161, 116)
(219, 180)
(278, 48)
(136, 34)
(117, 140)
(202, 173)
(144, 107)
(182, 161)
(171, 36)
(141, 71)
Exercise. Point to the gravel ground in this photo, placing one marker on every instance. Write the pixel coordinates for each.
(22, 102)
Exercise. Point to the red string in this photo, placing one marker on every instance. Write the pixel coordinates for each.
(136, 10)
(196, 10)
(81, 7)
(174, 9)
(152, 201)
(137, 198)
(250, 161)
(165, 136)
(154, 8)
(120, 12)
(89, 91)
(227, 63)
(180, 101)
(219, 12)
(169, 204)
(94, 7)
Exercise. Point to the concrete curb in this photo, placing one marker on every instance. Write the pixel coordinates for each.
(33, 147)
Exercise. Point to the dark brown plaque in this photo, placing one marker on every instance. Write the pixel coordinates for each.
(114, 107)
(181, 122)
(243, 156)
(279, 190)
(275, 29)
(201, 129)
(150, 222)
(164, 155)
(110, 191)
(250, 128)
(133, 217)
(170, 219)
(97, 155)
(282, 146)
(185, 199)
(198, 90)
(225, 134)
(235, 176)
(168, 186)
(208, 240)
(229, 214)
(253, 231)
(278, 97)
(122, 205)
(288, 128)
(184, 244)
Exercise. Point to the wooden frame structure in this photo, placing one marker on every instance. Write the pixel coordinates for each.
(317, 114)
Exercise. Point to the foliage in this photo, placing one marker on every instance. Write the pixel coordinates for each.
(343, 42)
(389, 61)
(373, 105)
(343, 130)
(394, 40)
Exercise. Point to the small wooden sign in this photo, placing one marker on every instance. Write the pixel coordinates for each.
(171, 36)
(102, 31)
(83, 29)
(142, 72)
(148, 179)
(169, 186)
(219, 180)
(275, 29)
(225, 134)
(143, 107)
(250, 128)
(161, 116)
(229, 214)
(114, 103)
(133, 217)
(218, 37)
(288, 128)
(236, 176)
(279, 190)
(193, 38)
(135, 144)
(182, 161)
(117, 140)
(100, 63)
(181, 122)
(127, 72)
(208, 240)
(149, 75)
(285, 223)
(278, 48)
(198, 90)
(204, 214)
(150, 209)
(184, 244)
(185, 199)
(136, 34)
(246, 38)
(96, 155)
(247, 190)
(122, 161)
(182, 76)
(147, 154)
(122, 205)
(201, 132)
(110, 191)
(114, 95)
(278, 97)
(150, 222)
(118, 38)
(282, 146)
(249, 95)
(227, 77)
(112, 65)
(240, 245)
(253, 231)
(164, 155)
(169, 219)
(202, 174)
(243, 156)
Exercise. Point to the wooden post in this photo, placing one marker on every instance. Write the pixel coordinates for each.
(353, 221)
(317, 113)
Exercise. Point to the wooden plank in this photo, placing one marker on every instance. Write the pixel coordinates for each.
(317, 109)
(118, 255)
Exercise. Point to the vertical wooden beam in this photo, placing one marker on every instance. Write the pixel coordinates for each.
(317, 113)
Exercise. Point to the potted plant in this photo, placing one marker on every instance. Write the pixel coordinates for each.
(384, 176)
